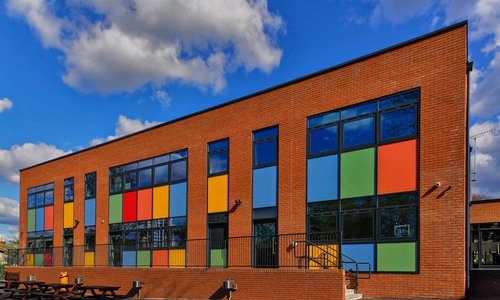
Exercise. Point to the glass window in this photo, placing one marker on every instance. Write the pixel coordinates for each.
(145, 163)
(265, 134)
(145, 178)
(320, 207)
(178, 155)
(161, 175)
(218, 162)
(219, 145)
(359, 203)
(130, 180)
(323, 119)
(69, 190)
(398, 124)
(323, 228)
(144, 239)
(49, 197)
(266, 153)
(90, 185)
(178, 237)
(323, 140)
(398, 199)
(178, 171)
(359, 110)
(40, 199)
(359, 132)
(31, 200)
(161, 159)
(358, 226)
(398, 223)
(399, 100)
(89, 238)
(130, 237)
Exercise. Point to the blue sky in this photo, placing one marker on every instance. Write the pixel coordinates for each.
(76, 73)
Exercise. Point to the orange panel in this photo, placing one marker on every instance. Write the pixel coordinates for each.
(397, 167)
(49, 218)
(144, 204)
(160, 258)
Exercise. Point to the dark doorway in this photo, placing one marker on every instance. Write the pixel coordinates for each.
(265, 244)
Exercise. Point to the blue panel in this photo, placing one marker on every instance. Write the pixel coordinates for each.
(40, 219)
(322, 178)
(264, 187)
(129, 258)
(178, 199)
(90, 212)
(360, 253)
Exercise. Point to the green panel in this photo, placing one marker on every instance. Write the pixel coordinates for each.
(31, 220)
(38, 260)
(115, 208)
(397, 257)
(144, 259)
(357, 171)
(218, 258)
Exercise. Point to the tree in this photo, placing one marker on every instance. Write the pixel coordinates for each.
(478, 196)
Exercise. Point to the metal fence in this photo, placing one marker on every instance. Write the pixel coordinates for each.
(270, 251)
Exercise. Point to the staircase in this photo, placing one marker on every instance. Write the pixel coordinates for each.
(350, 294)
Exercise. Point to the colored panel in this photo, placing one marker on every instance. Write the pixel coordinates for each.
(143, 259)
(40, 218)
(361, 253)
(144, 204)
(30, 260)
(357, 169)
(129, 258)
(264, 187)
(90, 212)
(130, 206)
(218, 258)
(49, 217)
(38, 260)
(323, 256)
(115, 208)
(31, 219)
(89, 259)
(322, 178)
(47, 259)
(397, 257)
(160, 258)
(160, 202)
(217, 193)
(178, 199)
(68, 215)
(397, 167)
(177, 258)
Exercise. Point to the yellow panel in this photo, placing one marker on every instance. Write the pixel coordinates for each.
(160, 202)
(30, 260)
(68, 215)
(89, 259)
(323, 255)
(217, 194)
(177, 258)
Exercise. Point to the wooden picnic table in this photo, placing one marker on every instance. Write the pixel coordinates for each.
(99, 291)
(29, 286)
(55, 290)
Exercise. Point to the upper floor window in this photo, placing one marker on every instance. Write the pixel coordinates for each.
(265, 143)
(41, 195)
(69, 189)
(90, 185)
(218, 156)
(323, 134)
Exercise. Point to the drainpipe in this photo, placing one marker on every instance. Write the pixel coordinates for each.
(470, 66)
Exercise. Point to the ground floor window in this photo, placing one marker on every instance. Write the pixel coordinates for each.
(485, 245)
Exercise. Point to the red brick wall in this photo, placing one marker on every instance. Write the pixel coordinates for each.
(205, 283)
(436, 64)
(488, 212)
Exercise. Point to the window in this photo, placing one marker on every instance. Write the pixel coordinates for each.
(161, 175)
(40, 213)
(69, 190)
(358, 225)
(178, 171)
(145, 177)
(266, 147)
(323, 140)
(90, 185)
(115, 180)
(359, 133)
(89, 241)
(130, 180)
(398, 223)
(359, 110)
(398, 124)
(323, 228)
(218, 155)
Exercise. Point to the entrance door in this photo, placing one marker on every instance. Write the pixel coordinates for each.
(265, 245)
(217, 234)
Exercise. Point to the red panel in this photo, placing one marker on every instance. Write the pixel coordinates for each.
(47, 259)
(397, 167)
(144, 204)
(130, 206)
(160, 258)
(49, 217)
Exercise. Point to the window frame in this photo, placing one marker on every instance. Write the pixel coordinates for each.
(255, 142)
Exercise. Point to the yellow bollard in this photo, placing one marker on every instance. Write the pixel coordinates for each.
(63, 278)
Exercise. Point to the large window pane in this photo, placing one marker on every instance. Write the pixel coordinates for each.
(130, 181)
(40, 199)
(90, 185)
(398, 223)
(323, 228)
(398, 199)
(49, 197)
(31, 200)
(398, 124)
(265, 134)
(218, 162)
(161, 175)
(323, 119)
(358, 226)
(359, 132)
(69, 193)
(115, 184)
(323, 140)
(359, 110)
(266, 152)
(178, 170)
(145, 178)
(399, 100)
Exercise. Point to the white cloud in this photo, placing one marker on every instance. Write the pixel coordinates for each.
(397, 11)
(5, 104)
(487, 158)
(9, 211)
(125, 126)
(9, 232)
(162, 97)
(120, 45)
(25, 155)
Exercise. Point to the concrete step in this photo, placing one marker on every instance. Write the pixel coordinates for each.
(351, 295)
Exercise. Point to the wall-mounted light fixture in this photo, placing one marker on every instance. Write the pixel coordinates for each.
(76, 223)
(237, 202)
